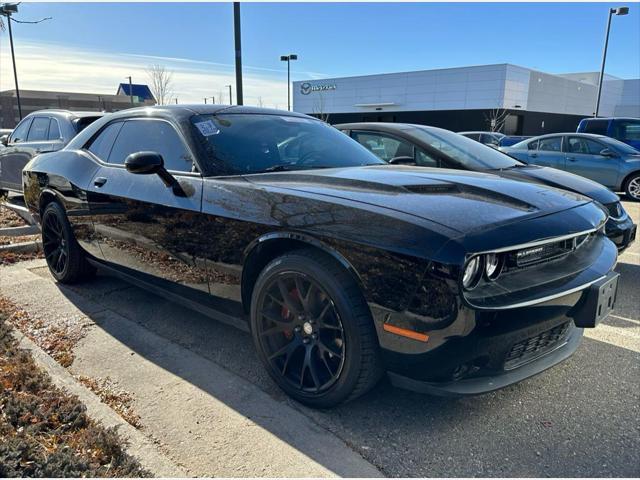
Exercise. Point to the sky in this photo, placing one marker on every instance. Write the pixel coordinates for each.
(92, 47)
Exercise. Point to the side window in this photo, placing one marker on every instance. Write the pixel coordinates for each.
(102, 144)
(552, 144)
(384, 146)
(54, 130)
(472, 136)
(19, 134)
(154, 136)
(39, 130)
(596, 126)
(627, 130)
(532, 145)
(488, 139)
(424, 159)
(584, 146)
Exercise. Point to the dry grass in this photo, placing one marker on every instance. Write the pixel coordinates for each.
(56, 340)
(45, 432)
(119, 400)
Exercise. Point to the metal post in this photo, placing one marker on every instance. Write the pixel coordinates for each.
(230, 98)
(289, 83)
(205, 100)
(236, 29)
(604, 59)
(15, 72)
(130, 90)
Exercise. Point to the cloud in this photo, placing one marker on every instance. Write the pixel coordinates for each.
(47, 66)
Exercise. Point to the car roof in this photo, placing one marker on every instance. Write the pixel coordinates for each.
(609, 118)
(188, 110)
(67, 114)
(573, 134)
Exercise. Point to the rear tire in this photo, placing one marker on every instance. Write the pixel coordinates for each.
(66, 260)
(323, 326)
(632, 187)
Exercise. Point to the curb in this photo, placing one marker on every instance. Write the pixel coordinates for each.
(23, 247)
(19, 231)
(137, 445)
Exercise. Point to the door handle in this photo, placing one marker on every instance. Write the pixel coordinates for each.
(533, 155)
(571, 159)
(100, 181)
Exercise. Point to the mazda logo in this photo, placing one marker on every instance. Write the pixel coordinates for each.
(305, 88)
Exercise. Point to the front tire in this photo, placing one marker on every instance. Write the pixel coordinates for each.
(632, 187)
(313, 330)
(66, 260)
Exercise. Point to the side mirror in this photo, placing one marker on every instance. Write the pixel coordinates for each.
(403, 160)
(4, 140)
(605, 152)
(148, 163)
(144, 163)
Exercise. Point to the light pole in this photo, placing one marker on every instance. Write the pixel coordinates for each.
(288, 58)
(7, 10)
(130, 89)
(238, 46)
(230, 99)
(612, 11)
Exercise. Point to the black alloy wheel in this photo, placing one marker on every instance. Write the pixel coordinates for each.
(301, 332)
(313, 329)
(66, 260)
(54, 244)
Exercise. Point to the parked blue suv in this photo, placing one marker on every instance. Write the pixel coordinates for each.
(626, 130)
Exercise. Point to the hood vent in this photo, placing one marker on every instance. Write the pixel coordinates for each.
(471, 192)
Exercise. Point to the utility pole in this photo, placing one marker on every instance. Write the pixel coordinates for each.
(230, 97)
(288, 58)
(238, 41)
(15, 71)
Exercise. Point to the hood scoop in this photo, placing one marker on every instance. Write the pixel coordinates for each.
(472, 193)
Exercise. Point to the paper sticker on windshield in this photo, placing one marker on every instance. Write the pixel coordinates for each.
(207, 128)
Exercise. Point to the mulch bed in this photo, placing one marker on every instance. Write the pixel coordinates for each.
(9, 219)
(44, 432)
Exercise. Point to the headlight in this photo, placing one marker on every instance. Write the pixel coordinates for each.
(493, 265)
(471, 277)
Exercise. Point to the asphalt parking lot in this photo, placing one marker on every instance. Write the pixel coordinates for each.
(581, 418)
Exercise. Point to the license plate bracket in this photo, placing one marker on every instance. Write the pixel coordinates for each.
(599, 302)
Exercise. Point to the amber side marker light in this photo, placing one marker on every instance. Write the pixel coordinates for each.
(403, 332)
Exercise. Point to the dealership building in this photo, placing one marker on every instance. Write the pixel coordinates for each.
(527, 101)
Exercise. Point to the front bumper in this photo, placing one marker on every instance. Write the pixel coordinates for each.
(484, 384)
(622, 232)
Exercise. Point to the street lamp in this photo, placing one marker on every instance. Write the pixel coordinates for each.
(7, 10)
(230, 99)
(288, 58)
(612, 11)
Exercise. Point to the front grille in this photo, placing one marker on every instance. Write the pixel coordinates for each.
(534, 347)
(614, 209)
(527, 257)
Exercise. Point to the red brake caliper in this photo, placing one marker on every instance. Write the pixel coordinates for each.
(285, 312)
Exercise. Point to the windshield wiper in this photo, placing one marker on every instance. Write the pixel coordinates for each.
(283, 167)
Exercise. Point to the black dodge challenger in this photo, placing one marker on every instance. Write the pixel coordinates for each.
(341, 266)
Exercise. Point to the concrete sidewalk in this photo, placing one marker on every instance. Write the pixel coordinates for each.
(203, 418)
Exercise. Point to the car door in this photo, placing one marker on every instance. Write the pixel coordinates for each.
(584, 158)
(141, 224)
(14, 157)
(384, 145)
(548, 152)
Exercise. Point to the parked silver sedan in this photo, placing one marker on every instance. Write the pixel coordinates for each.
(605, 160)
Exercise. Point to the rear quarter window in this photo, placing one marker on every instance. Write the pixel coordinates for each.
(82, 123)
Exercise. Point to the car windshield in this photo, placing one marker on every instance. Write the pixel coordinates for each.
(468, 153)
(252, 143)
(621, 147)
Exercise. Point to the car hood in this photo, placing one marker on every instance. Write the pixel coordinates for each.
(459, 200)
(560, 179)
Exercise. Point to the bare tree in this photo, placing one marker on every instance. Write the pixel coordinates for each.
(319, 108)
(495, 119)
(161, 83)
